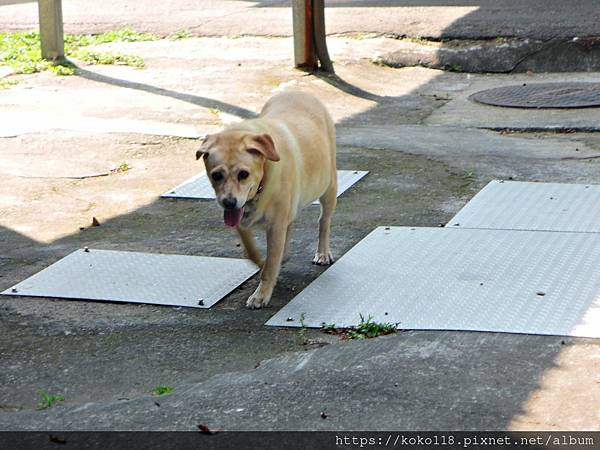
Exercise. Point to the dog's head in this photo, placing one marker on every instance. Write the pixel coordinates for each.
(234, 162)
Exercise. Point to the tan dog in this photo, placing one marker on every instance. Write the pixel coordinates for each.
(265, 170)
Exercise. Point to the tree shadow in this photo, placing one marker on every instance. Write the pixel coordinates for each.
(351, 89)
(197, 100)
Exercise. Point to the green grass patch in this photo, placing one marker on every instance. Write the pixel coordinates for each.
(21, 51)
(47, 401)
(419, 41)
(6, 83)
(378, 61)
(330, 328)
(180, 34)
(359, 36)
(216, 120)
(366, 329)
(162, 390)
(121, 35)
(303, 330)
(63, 68)
(93, 57)
(455, 68)
(123, 167)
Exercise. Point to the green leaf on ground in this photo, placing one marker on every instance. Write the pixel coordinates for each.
(47, 401)
(162, 390)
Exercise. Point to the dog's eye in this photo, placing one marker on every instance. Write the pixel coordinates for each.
(242, 175)
(217, 176)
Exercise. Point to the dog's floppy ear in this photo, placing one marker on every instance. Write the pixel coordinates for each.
(263, 144)
(204, 147)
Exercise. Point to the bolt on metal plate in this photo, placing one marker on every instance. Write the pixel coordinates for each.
(542, 95)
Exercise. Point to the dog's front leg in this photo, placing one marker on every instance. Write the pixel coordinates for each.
(276, 236)
(247, 238)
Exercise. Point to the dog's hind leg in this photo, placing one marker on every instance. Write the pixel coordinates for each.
(249, 243)
(288, 238)
(328, 201)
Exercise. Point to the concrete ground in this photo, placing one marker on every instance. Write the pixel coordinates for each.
(428, 150)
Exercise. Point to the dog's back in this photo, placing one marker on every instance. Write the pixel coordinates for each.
(309, 122)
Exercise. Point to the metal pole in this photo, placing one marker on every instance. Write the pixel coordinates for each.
(304, 52)
(51, 29)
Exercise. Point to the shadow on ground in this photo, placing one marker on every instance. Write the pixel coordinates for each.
(100, 338)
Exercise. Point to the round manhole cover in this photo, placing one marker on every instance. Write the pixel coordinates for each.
(544, 95)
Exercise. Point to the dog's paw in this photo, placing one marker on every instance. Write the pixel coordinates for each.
(257, 301)
(323, 259)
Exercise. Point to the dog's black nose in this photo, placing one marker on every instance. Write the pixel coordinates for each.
(229, 203)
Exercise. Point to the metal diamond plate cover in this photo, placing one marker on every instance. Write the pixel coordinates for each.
(460, 279)
(173, 280)
(198, 187)
(515, 205)
(542, 95)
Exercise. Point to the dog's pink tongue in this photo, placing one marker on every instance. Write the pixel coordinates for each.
(233, 217)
